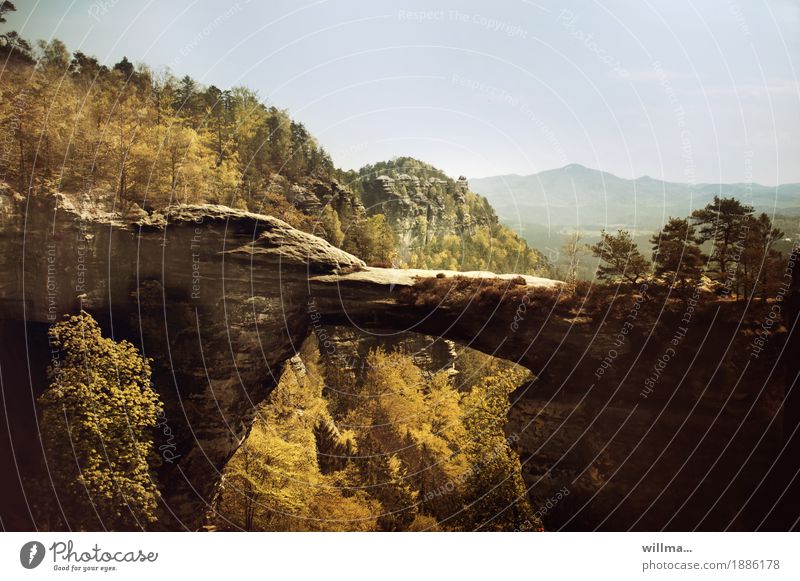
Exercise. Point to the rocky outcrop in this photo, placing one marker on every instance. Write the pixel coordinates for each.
(312, 195)
(420, 209)
(220, 299)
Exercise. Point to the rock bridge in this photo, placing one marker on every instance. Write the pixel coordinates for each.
(220, 299)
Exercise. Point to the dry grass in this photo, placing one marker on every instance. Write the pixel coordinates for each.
(487, 293)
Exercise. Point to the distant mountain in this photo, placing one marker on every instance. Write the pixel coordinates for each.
(577, 197)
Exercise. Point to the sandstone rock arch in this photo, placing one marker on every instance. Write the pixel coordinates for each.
(221, 299)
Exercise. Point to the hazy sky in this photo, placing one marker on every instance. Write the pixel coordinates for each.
(685, 91)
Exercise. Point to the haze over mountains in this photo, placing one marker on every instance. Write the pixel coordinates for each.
(545, 205)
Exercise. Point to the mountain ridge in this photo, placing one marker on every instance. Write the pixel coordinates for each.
(577, 197)
(639, 178)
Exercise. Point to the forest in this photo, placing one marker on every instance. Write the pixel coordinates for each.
(128, 139)
(396, 449)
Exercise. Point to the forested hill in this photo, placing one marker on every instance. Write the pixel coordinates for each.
(127, 139)
(128, 134)
(439, 221)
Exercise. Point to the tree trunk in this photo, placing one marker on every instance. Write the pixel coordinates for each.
(22, 177)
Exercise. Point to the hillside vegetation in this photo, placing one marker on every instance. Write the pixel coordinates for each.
(126, 138)
(439, 221)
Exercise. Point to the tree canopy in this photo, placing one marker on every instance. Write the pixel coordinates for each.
(396, 449)
(96, 422)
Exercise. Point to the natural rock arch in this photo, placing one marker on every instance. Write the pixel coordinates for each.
(221, 299)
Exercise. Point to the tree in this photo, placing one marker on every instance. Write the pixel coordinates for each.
(86, 67)
(265, 481)
(96, 422)
(382, 241)
(372, 239)
(278, 134)
(494, 496)
(187, 164)
(274, 483)
(11, 43)
(187, 103)
(676, 255)
(331, 226)
(54, 55)
(409, 434)
(724, 223)
(218, 104)
(759, 260)
(162, 96)
(5, 7)
(18, 47)
(297, 163)
(573, 250)
(125, 68)
(623, 261)
(21, 113)
(397, 454)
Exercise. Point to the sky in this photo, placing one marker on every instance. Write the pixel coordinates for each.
(676, 90)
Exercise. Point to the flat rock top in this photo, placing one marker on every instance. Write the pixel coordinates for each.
(408, 276)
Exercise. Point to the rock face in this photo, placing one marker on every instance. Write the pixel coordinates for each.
(219, 298)
(348, 348)
(421, 209)
(313, 195)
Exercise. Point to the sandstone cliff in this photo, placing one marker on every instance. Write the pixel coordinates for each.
(219, 298)
(222, 298)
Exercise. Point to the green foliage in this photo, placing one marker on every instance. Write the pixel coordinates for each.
(743, 259)
(449, 226)
(760, 263)
(452, 228)
(96, 422)
(145, 139)
(405, 458)
(331, 226)
(724, 223)
(491, 247)
(274, 481)
(495, 497)
(676, 254)
(403, 165)
(5, 7)
(621, 258)
(408, 433)
(151, 140)
(373, 240)
(742, 245)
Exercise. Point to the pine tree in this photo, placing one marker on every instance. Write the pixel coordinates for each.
(621, 257)
(724, 222)
(676, 254)
(760, 261)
